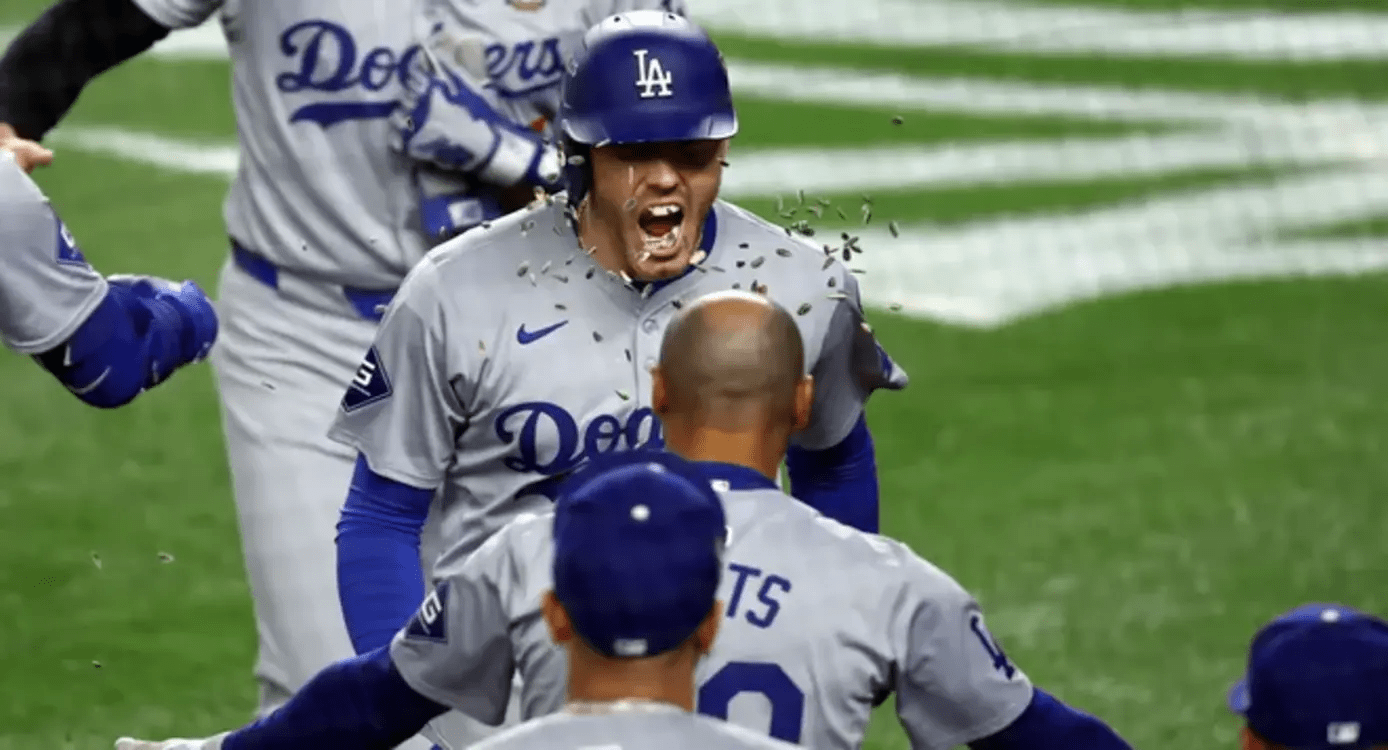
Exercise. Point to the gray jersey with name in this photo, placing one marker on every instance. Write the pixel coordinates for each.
(640, 729)
(823, 622)
(318, 190)
(47, 290)
(509, 358)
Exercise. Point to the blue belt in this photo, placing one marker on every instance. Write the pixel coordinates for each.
(369, 303)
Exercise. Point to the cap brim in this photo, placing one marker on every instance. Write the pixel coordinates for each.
(1238, 697)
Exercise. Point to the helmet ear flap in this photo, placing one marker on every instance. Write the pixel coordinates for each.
(577, 169)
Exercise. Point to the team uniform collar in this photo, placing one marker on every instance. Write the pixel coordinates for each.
(626, 705)
(734, 476)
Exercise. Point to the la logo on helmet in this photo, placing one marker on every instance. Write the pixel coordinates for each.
(652, 77)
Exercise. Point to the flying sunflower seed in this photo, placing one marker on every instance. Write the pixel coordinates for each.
(894, 229)
(96, 664)
(801, 195)
(628, 353)
(724, 162)
(522, 269)
(559, 306)
(741, 263)
(833, 282)
(576, 160)
(481, 346)
(784, 253)
(757, 261)
(562, 278)
(631, 204)
(867, 215)
(847, 253)
(828, 261)
(736, 285)
(96, 560)
(743, 245)
(597, 336)
(867, 198)
(787, 214)
(780, 204)
(676, 304)
(898, 120)
(589, 275)
(647, 291)
(545, 268)
(645, 256)
(840, 212)
(894, 307)
(858, 271)
(836, 295)
(622, 395)
(818, 211)
(531, 276)
(719, 269)
(805, 308)
(165, 557)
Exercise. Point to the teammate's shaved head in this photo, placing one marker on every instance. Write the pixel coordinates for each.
(732, 359)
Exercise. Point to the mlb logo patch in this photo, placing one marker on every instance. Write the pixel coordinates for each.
(1342, 733)
(68, 253)
(369, 385)
(429, 623)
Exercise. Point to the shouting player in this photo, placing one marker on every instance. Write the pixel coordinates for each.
(107, 339)
(1317, 679)
(521, 350)
(324, 219)
(821, 621)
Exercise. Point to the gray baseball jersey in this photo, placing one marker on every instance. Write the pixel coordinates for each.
(642, 726)
(318, 190)
(510, 357)
(823, 622)
(47, 290)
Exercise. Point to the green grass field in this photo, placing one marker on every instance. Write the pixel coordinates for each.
(1131, 485)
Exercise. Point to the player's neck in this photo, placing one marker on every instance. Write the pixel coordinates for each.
(608, 680)
(762, 450)
(603, 242)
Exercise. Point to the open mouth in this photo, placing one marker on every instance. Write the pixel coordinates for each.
(661, 224)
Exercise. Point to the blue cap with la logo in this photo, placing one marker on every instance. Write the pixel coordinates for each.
(1317, 679)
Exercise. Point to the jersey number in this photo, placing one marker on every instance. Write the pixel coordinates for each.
(738, 677)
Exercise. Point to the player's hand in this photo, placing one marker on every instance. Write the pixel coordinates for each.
(200, 323)
(27, 154)
(207, 743)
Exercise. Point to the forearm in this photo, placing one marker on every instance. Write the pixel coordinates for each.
(48, 64)
(356, 704)
(1049, 723)
(133, 340)
(379, 576)
(840, 481)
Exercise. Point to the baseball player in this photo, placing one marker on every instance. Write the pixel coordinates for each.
(820, 622)
(324, 219)
(107, 339)
(520, 350)
(637, 561)
(1317, 679)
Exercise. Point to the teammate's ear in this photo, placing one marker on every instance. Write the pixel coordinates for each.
(708, 629)
(660, 400)
(804, 401)
(560, 629)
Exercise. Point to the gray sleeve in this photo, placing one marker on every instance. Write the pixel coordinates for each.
(955, 684)
(400, 410)
(179, 14)
(456, 650)
(851, 365)
(47, 289)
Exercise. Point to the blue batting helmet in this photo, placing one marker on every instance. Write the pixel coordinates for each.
(641, 77)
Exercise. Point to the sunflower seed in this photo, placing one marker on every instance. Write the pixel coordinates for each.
(589, 275)
(597, 336)
(897, 120)
(894, 229)
(757, 261)
(780, 204)
(562, 278)
(867, 215)
(828, 261)
(742, 245)
(559, 306)
(833, 282)
(801, 195)
(622, 395)
(628, 353)
(784, 253)
(840, 212)
(545, 268)
(631, 204)
(858, 271)
(576, 160)
(805, 308)
(96, 560)
(736, 285)
(481, 346)
(741, 263)
(522, 269)
(165, 557)
(836, 295)
(676, 304)
(847, 254)
(894, 307)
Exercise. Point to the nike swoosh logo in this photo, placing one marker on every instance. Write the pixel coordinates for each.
(527, 337)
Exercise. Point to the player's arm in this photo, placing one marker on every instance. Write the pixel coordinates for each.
(454, 652)
(957, 686)
(107, 340)
(832, 465)
(401, 414)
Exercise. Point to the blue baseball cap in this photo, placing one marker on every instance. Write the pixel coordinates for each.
(1317, 679)
(638, 552)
